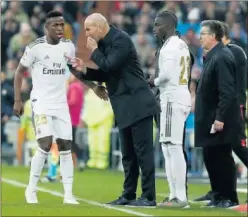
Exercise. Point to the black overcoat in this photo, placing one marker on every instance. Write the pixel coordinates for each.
(216, 99)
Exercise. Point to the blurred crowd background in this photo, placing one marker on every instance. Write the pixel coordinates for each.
(22, 22)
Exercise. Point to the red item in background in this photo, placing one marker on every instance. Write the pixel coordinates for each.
(75, 101)
(26, 74)
(243, 208)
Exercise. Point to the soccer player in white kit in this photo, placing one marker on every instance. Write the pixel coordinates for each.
(46, 59)
(174, 69)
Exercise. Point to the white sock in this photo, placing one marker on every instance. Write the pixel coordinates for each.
(66, 170)
(168, 171)
(178, 166)
(37, 164)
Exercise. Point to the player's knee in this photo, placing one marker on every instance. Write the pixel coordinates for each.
(45, 143)
(64, 145)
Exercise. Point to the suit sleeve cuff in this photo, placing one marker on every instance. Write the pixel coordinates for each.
(156, 81)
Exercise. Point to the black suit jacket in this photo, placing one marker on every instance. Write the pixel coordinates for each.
(216, 99)
(129, 93)
(241, 66)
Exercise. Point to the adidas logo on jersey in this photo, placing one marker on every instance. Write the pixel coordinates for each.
(46, 57)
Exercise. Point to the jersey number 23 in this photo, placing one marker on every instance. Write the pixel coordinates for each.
(185, 70)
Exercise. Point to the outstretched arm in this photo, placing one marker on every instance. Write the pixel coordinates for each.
(99, 90)
(88, 75)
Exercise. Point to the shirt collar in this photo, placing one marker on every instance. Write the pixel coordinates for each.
(108, 38)
(210, 53)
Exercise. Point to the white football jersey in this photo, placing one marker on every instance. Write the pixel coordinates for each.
(47, 64)
(174, 68)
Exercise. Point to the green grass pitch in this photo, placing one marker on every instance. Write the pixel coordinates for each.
(94, 188)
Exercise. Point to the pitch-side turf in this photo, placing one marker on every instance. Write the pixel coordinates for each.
(93, 188)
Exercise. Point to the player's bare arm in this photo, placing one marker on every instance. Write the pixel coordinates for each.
(79, 69)
(18, 105)
(99, 90)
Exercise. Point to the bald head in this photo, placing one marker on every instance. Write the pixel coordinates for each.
(96, 19)
(96, 26)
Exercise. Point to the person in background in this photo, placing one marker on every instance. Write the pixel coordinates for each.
(99, 118)
(7, 97)
(53, 165)
(75, 99)
(21, 39)
(26, 134)
(240, 149)
(10, 67)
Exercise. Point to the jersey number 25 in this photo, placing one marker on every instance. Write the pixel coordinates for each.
(185, 71)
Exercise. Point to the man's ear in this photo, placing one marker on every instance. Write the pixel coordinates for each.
(213, 35)
(168, 26)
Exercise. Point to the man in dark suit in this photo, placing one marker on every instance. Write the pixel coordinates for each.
(240, 148)
(240, 57)
(217, 115)
(133, 103)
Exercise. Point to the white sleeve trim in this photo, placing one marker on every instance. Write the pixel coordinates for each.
(24, 65)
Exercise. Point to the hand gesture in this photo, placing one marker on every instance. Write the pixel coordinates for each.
(151, 80)
(18, 108)
(218, 125)
(76, 63)
(91, 44)
(101, 92)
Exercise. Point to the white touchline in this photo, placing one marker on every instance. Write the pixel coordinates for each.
(242, 190)
(58, 194)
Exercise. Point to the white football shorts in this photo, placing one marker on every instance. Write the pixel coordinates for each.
(172, 122)
(52, 120)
